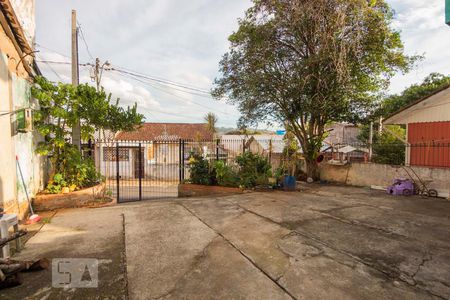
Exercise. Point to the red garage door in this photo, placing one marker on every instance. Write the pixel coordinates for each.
(430, 144)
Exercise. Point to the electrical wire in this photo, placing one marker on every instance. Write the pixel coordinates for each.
(175, 95)
(163, 81)
(53, 70)
(54, 51)
(63, 63)
(85, 42)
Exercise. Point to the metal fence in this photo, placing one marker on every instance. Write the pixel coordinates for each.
(141, 170)
(427, 154)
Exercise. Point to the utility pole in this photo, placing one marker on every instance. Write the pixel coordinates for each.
(98, 72)
(76, 130)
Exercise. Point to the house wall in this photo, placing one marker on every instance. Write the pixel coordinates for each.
(164, 166)
(365, 174)
(430, 144)
(15, 86)
(436, 108)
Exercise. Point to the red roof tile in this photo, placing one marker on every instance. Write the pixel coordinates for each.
(167, 131)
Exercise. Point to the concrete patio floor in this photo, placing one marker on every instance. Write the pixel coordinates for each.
(323, 242)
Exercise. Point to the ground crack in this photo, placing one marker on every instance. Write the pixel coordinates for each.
(356, 258)
(274, 280)
(426, 258)
(124, 258)
(197, 260)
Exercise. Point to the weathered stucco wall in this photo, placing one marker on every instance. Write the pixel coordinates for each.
(15, 86)
(25, 11)
(364, 174)
(7, 162)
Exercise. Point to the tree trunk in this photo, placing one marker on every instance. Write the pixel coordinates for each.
(312, 169)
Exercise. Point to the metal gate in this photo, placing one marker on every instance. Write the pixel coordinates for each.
(144, 170)
(141, 170)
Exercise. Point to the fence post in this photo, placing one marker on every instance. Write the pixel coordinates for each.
(179, 162)
(217, 149)
(140, 172)
(117, 172)
(182, 160)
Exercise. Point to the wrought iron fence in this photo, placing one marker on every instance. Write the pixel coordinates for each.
(139, 170)
(427, 154)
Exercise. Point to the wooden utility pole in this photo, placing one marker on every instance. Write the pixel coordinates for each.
(76, 130)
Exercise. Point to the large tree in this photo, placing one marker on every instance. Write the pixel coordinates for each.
(431, 84)
(306, 63)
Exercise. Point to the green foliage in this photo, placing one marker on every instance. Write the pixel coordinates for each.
(211, 121)
(225, 175)
(77, 172)
(431, 83)
(306, 63)
(200, 171)
(387, 148)
(61, 107)
(56, 184)
(254, 169)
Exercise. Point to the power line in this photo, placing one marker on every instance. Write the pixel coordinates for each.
(163, 81)
(84, 41)
(62, 63)
(182, 98)
(54, 51)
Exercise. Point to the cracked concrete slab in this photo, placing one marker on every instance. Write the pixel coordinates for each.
(323, 242)
(163, 242)
(76, 233)
(223, 273)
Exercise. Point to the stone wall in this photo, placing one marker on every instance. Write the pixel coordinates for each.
(367, 174)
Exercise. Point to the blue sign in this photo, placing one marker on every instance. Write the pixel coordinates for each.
(281, 132)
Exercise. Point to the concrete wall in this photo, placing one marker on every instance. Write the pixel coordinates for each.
(15, 86)
(25, 12)
(367, 174)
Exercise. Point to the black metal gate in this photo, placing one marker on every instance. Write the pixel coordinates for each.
(144, 170)
(141, 170)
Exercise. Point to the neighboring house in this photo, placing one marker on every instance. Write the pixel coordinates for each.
(427, 129)
(269, 145)
(159, 145)
(342, 143)
(17, 139)
(342, 134)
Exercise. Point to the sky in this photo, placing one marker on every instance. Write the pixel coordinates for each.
(183, 41)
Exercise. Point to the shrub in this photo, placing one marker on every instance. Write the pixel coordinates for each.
(76, 173)
(254, 169)
(200, 170)
(225, 175)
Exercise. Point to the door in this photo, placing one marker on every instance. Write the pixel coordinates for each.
(138, 159)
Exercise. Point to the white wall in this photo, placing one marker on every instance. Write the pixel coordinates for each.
(368, 174)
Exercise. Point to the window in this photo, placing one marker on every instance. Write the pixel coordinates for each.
(109, 154)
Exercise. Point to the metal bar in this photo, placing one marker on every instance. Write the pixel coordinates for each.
(217, 149)
(117, 173)
(140, 172)
(182, 160)
(179, 162)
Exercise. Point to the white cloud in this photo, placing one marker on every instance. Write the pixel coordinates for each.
(423, 31)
